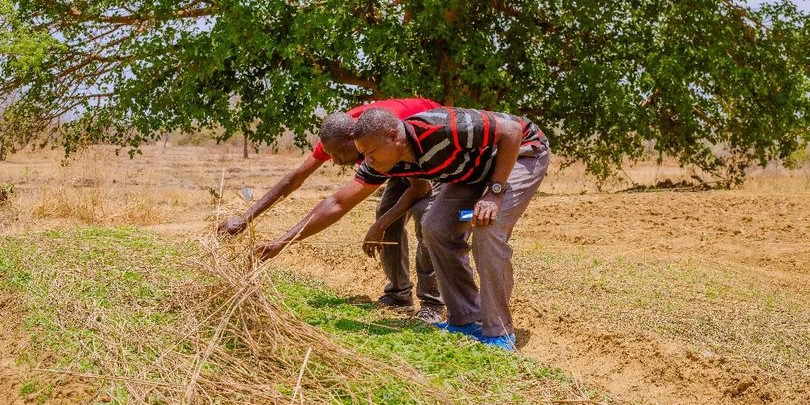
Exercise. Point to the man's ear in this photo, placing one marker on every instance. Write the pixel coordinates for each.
(393, 134)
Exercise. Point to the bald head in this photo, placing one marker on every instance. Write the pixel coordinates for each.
(375, 122)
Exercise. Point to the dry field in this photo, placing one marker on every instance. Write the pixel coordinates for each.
(669, 297)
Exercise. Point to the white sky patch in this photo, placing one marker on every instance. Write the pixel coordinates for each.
(803, 5)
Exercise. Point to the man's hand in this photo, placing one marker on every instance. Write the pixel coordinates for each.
(486, 209)
(233, 226)
(267, 250)
(371, 245)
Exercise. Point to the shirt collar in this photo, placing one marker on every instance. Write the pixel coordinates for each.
(410, 133)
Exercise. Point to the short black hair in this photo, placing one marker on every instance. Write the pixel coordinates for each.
(337, 127)
(374, 121)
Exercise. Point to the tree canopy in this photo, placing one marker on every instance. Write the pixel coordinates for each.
(712, 83)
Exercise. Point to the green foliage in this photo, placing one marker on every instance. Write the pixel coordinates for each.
(71, 282)
(715, 84)
(799, 158)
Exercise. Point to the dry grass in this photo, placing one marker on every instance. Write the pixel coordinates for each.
(97, 188)
(95, 205)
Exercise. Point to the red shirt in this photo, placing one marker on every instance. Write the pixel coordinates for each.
(402, 108)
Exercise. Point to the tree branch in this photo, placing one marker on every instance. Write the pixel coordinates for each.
(133, 18)
(346, 77)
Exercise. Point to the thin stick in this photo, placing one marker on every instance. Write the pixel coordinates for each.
(576, 401)
(297, 389)
(221, 185)
(219, 200)
(306, 242)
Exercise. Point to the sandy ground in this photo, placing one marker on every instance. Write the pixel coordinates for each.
(657, 297)
(14, 374)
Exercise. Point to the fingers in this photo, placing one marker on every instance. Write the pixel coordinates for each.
(265, 251)
(233, 226)
(476, 213)
(489, 216)
(368, 249)
(237, 227)
(372, 249)
(480, 215)
(258, 250)
(484, 215)
(261, 251)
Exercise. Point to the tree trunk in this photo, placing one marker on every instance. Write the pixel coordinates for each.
(245, 149)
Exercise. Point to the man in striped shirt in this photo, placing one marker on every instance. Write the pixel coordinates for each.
(335, 144)
(492, 163)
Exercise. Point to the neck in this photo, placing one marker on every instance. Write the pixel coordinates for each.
(408, 154)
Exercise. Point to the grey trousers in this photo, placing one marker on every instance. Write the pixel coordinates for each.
(395, 257)
(447, 239)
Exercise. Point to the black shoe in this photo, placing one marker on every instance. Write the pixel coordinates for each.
(428, 315)
(395, 304)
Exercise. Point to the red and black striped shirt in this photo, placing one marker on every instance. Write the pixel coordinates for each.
(452, 145)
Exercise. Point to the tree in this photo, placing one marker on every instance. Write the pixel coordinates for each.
(712, 83)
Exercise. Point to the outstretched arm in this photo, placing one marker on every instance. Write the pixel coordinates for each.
(289, 183)
(418, 189)
(326, 213)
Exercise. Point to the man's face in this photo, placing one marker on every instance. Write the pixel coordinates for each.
(381, 151)
(343, 153)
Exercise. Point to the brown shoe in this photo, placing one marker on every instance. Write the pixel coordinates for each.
(395, 304)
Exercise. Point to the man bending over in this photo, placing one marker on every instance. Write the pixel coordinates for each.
(335, 143)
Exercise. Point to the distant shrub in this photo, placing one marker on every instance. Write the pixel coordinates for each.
(6, 190)
(191, 139)
(798, 159)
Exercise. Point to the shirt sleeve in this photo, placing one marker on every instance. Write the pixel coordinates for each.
(319, 153)
(402, 108)
(368, 176)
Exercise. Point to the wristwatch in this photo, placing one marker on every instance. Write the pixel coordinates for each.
(496, 188)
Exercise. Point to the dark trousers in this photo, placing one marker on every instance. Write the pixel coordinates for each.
(395, 257)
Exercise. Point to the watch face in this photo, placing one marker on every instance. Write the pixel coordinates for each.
(496, 188)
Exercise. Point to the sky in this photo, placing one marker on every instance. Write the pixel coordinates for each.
(804, 5)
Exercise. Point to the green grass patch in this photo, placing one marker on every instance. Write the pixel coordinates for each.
(28, 388)
(88, 290)
(450, 360)
(106, 275)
